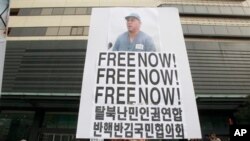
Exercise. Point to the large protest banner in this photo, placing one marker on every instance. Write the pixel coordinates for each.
(137, 81)
(2, 56)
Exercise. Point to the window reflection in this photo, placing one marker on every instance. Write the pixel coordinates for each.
(207, 29)
(220, 30)
(46, 11)
(51, 11)
(58, 120)
(48, 31)
(15, 125)
(210, 10)
(52, 31)
(57, 11)
(188, 9)
(213, 10)
(238, 10)
(233, 30)
(201, 9)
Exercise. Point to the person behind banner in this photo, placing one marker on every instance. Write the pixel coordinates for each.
(134, 39)
(213, 137)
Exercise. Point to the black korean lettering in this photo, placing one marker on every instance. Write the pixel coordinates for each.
(166, 114)
(98, 127)
(177, 114)
(149, 129)
(139, 129)
(155, 113)
(99, 112)
(133, 113)
(111, 112)
(169, 131)
(159, 130)
(118, 130)
(144, 112)
(179, 130)
(108, 128)
(128, 128)
(122, 113)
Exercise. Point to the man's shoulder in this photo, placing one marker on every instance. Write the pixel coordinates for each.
(123, 35)
(144, 35)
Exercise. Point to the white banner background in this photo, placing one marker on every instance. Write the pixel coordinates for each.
(105, 26)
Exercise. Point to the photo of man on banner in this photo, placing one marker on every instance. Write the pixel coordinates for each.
(134, 39)
(134, 31)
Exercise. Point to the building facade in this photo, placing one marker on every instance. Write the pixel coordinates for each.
(45, 52)
(4, 10)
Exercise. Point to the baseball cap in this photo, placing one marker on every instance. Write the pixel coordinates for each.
(134, 15)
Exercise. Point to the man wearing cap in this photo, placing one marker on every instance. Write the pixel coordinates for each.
(134, 39)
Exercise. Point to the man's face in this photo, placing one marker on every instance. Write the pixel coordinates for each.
(133, 24)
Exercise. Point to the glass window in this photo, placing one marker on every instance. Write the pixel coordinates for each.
(205, 44)
(180, 8)
(86, 31)
(213, 9)
(194, 29)
(35, 11)
(201, 9)
(233, 30)
(69, 11)
(24, 12)
(77, 30)
(81, 11)
(64, 31)
(245, 31)
(58, 120)
(57, 11)
(52, 31)
(189, 44)
(40, 31)
(46, 11)
(14, 11)
(238, 11)
(15, 31)
(27, 31)
(89, 10)
(207, 30)
(74, 30)
(184, 29)
(80, 30)
(246, 10)
(220, 30)
(162, 5)
(188, 9)
(226, 10)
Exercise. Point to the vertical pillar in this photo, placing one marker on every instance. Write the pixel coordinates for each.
(37, 122)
